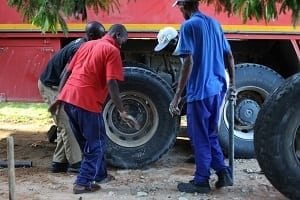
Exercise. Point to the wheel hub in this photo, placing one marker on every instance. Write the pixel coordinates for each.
(246, 112)
(142, 109)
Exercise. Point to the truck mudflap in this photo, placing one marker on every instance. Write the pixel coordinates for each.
(146, 96)
(254, 83)
(277, 138)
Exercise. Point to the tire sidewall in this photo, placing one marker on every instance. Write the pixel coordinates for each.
(152, 86)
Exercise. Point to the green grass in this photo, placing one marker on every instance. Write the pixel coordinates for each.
(24, 113)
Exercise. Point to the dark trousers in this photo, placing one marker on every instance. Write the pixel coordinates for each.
(202, 120)
(89, 130)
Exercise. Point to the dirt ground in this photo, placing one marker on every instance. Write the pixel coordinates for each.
(155, 182)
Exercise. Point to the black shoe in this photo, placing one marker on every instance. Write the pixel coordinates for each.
(191, 187)
(224, 179)
(79, 189)
(75, 168)
(59, 167)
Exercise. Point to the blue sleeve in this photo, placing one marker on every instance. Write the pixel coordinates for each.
(226, 45)
(184, 46)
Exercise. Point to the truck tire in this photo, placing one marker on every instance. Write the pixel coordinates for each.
(253, 84)
(146, 96)
(277, 138)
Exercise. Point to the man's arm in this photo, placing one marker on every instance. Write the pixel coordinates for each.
(231, 70)
(114, 93)
(64, 77)
(55, 106)
(185, 72)
(186, 69)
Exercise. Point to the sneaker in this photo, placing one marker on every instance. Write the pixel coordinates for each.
(59, 167)
(224, 179)
(107, 179)
(75, 168)
(79, 189)
(192, 187)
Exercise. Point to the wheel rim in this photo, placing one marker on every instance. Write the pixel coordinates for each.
(139, 106)
(248, 104)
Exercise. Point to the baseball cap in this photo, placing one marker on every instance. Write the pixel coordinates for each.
(176, 2)
(164, 36)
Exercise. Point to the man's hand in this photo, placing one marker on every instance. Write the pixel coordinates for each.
(130, 121)
(174, 108)
(54, 107)
(232, 94)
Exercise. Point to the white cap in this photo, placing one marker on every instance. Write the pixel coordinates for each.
(164, 36)
(176, 2)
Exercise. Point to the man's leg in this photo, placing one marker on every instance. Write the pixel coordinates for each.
(218, 163)
(197, 120)
(198, 116)
(59, 162)
(71, 148)
(90, 126)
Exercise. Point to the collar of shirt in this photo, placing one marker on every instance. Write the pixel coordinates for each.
(111, 40)
(197, 13)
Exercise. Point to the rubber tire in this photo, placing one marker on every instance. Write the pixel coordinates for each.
(247, 74)
(275, 132)
(161, 94)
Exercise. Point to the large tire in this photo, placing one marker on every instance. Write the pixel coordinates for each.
(147, 97)
(277, 138)
(253, 83)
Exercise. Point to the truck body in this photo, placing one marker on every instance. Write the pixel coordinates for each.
(265, 54)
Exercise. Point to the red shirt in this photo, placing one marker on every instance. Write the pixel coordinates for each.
(94, 63)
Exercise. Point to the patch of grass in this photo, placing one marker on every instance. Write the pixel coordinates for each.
(24, 113)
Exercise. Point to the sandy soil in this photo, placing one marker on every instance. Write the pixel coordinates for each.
(155, 182)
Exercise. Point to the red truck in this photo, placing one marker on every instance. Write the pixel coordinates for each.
(265, 54)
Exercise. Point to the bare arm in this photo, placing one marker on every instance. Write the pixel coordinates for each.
(186, 69)
(114, 93)
(229, 60)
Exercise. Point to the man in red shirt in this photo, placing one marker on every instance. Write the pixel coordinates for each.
(92, 74)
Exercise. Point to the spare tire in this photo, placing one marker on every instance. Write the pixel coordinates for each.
(146, 96)
(277, 138)
(253, 84)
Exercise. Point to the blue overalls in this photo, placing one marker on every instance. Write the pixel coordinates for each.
(89, 130)
(203, 38)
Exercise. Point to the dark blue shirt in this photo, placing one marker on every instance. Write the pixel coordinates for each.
(51, 75)
(203, 38)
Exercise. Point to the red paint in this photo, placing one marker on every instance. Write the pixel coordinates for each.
(25, 52)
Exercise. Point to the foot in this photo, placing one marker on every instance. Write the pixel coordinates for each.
(59, 167)
(107, 179)
(224, 179)
(191, 187)
(74, 167)
(79, 189)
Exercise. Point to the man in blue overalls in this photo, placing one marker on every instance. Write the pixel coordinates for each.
(203, 49)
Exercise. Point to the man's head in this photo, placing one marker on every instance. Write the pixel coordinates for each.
(119, 33)
(94, 30)
(187, 7)
(167, 39)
